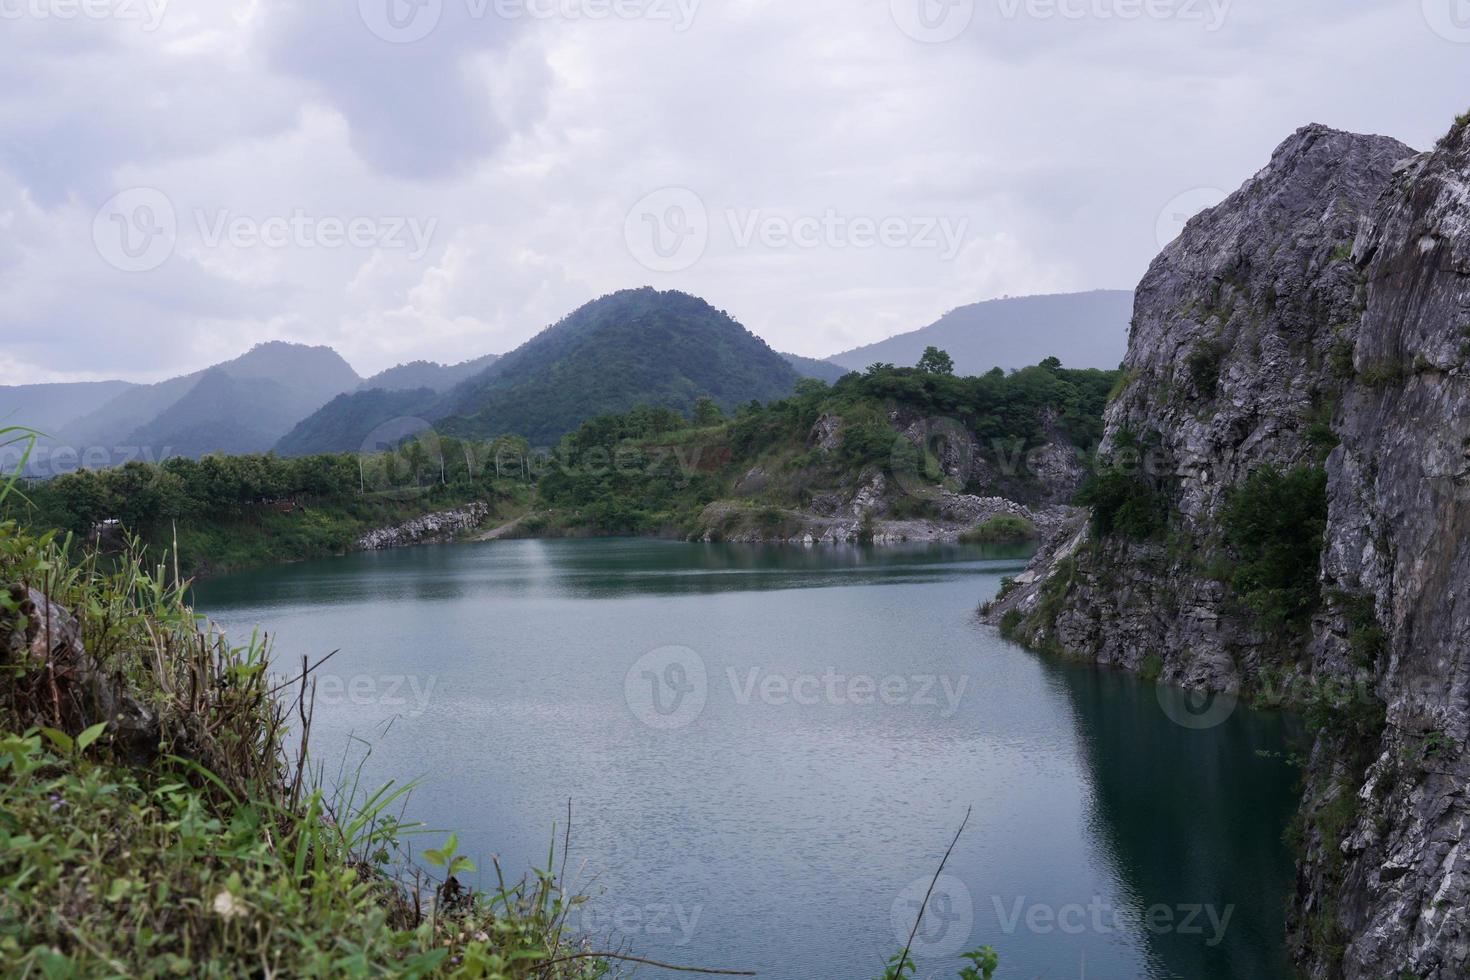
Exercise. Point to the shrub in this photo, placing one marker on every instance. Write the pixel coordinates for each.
(1275, 523)
(1204, 367)
(1123, 504)
(1003, 528)
(1010, 623)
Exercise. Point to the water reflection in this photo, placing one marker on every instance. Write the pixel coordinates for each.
(785, 831)
(1194, 819)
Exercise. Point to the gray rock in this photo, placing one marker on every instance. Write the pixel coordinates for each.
(1343, 249)
(431, 528)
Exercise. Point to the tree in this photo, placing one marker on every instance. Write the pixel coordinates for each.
(936, 361)
(707, 413)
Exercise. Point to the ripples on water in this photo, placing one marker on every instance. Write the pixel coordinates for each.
(781, 837)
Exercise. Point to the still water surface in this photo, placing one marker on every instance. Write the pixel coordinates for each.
(773, 787)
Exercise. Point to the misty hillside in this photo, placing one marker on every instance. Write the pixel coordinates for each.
(248, 402)
(50, 408)
(1084, 330)
(810, 367)
(427, 374)
(345, 423)
(224, 413)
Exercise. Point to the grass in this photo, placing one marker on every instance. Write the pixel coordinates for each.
(174, 834)
(1001, 529)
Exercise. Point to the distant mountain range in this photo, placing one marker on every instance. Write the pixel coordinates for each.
(1084, 330)
(427, 374)
(638, 346)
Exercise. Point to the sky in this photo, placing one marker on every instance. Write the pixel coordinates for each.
(441, 179)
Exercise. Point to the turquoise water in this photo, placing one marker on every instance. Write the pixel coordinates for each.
(768, 750)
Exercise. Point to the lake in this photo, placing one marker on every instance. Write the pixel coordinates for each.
(768, 751)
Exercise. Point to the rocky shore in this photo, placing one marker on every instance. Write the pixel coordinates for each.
(448, 525)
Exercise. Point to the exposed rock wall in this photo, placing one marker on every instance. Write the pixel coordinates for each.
(1327, 299)
(443, 526)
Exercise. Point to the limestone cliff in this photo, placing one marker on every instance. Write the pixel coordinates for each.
(1316, 322)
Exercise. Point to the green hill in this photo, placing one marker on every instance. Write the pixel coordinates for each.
(345, 423)
(636, 347)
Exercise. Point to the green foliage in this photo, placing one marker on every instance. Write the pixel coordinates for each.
(649, 469)
(982, 966)
(936, 361)
(1010, 623)
(1123, 504)
(1119, 386)
(1152, 667)
(999, 529)
(1340, 359)
(707, 413)
(1383, 374)
(1275, 523)
(207, 850)
(636, 347)
(10, 436)
(234, 511)
(1204, 367)
(1366, 636)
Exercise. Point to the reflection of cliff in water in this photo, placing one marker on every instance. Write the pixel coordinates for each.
(1212, 836)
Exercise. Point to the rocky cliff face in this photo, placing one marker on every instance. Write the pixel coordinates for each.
(1326, 302)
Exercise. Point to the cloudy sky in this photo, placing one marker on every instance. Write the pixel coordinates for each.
(403, 179)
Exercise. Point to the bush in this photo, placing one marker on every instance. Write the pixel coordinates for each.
(1010, 622)
(1275, 524)
(1204, 367)
(1003, 528)
(1123, 504)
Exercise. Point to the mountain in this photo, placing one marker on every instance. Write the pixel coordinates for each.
(427, 374)
(243, 405)
(50, 408)
(810, 367)
(636, 347)
(225, 413)
(1084, 330)
(345, 423)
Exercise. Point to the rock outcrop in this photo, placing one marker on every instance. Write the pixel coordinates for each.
(445, 525)
(63, 683)
(1319, 317)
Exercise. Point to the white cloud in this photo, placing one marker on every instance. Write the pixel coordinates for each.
(523, 141)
